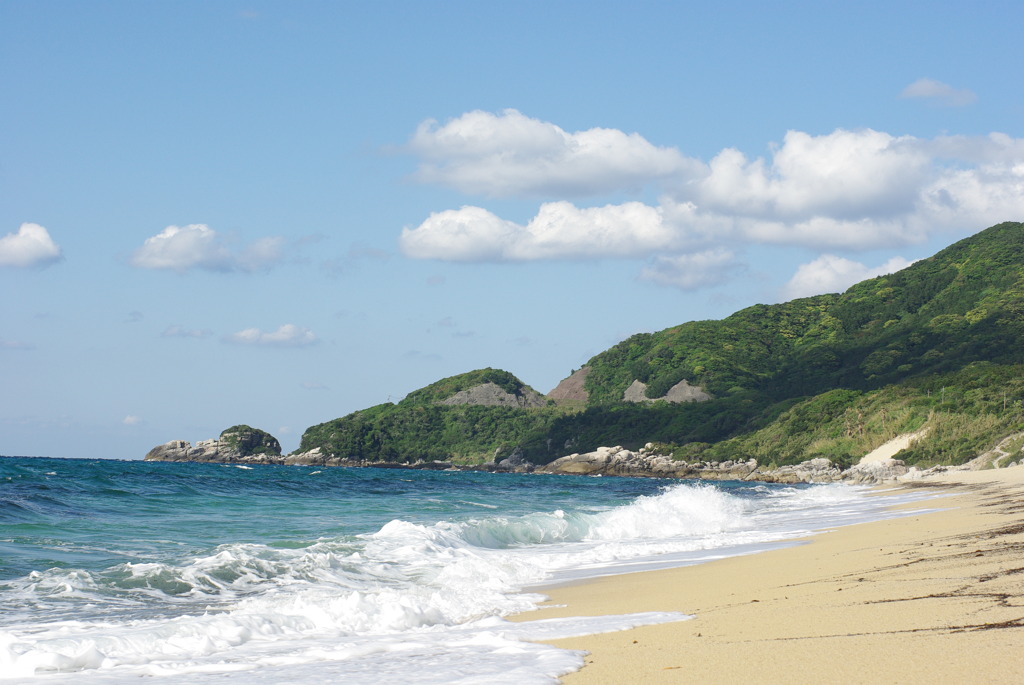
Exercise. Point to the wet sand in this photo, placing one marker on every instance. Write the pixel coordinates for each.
(932, 597)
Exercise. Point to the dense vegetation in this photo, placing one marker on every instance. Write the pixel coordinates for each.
(937, 345)
(419, 428)
(963, 304)
(962, 413)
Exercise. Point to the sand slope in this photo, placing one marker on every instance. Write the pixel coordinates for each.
(935, 597)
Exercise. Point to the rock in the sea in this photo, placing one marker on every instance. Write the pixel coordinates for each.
(174, 450)
(515, 463)
(247, 441)
(236, 444)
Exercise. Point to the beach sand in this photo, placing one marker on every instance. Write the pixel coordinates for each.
(932, 597)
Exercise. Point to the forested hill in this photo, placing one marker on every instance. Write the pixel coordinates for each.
(963, 304)
(816, 367)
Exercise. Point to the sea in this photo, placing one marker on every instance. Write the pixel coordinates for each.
(112, 571)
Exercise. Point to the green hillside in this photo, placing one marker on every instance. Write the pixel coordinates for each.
(963, 304)
(420, 428)
(936, 345)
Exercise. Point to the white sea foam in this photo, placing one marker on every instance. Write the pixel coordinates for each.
(416, 602)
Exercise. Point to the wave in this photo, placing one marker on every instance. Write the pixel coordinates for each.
(246, 604)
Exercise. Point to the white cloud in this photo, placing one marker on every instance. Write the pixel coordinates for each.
(30, 246)
(692, 271)
(844, 190)
(511, 154)
(842, 175)
(180, 248)
(939, 92)
(288, 335)
(831, 274)
(131, 420)
(559, 231)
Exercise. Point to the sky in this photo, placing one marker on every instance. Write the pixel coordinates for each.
(278, 213)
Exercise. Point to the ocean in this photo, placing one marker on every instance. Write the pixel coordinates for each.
(207, 573)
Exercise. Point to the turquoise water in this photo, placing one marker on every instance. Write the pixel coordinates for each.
(111, 570)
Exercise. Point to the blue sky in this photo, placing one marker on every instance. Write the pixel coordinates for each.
(277, 213)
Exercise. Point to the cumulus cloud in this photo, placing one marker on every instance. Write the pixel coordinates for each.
(692, 271)
(939, 92)
(197, 246)
(854, 190)
(844, 190)
(842, 175)
(831, 274)
(131, 420)
(288, 335)
(510, 154)
(559, 231)
(30, 246)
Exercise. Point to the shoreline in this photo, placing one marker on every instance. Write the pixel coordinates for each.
(934, 596)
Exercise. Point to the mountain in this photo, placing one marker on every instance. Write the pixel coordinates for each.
(467, 418)
(936, 347)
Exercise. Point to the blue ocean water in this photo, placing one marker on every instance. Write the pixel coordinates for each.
(191, 573)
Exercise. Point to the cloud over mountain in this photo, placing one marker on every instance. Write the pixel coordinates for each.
(831, 274)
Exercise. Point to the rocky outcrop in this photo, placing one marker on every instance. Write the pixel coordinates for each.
(209, 451)
(680, 392)
(514, 463)
(174, 450)
(878, 471)
(572, 388)
(238, 444)
(316, 457)
(491, 395)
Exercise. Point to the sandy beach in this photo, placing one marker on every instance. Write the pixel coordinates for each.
(931, 597)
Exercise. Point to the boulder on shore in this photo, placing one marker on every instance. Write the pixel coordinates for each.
(618, 461)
